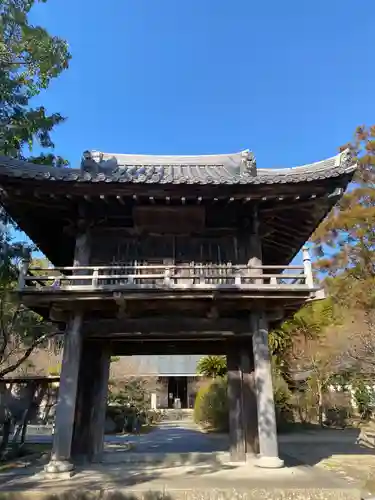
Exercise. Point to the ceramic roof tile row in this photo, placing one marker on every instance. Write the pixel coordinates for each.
(205, 170)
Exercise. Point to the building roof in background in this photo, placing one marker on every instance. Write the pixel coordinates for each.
(166, 365)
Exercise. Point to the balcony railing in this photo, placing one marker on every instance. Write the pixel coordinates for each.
(193, 276)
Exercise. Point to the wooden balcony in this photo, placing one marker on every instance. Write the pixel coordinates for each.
(194, 277)
(143, 291)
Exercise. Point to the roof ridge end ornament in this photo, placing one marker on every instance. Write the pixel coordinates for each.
(249, 162)
(91, 161)
(346, 158)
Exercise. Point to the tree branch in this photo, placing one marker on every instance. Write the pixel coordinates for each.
(26, 354)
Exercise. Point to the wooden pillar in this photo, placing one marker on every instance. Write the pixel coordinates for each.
(68, 389)
(91, 405)
(268, 446)
(255, 246)
(249, 400)
(237, 446)
(99, 404)
(65, 411)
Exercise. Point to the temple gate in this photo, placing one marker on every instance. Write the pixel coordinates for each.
(160, 255)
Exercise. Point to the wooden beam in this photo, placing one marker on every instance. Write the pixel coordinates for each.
(184, 347)
(167, 326)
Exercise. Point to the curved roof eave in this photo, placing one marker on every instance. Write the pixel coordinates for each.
(238, 168)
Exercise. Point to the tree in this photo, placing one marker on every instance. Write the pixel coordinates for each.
(345, 246)
(346, 238)
(212, 366)
(29, 59)
(313, 347)
(21, 331)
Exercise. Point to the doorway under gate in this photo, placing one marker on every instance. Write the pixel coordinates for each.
(177, 390)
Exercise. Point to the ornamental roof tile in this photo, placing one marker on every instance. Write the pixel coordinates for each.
(238, 168)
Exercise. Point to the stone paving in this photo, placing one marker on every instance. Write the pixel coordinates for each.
(175, 475)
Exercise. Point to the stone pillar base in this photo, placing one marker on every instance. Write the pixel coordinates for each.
(269, 462)
(59, 467)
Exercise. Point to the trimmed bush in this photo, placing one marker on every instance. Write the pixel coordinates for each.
(211, 405)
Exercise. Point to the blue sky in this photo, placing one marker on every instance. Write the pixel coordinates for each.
(289, 80)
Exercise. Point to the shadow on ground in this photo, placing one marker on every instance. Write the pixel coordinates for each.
(99, 495)
(312, 447)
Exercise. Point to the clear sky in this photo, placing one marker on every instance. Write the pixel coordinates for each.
(288, 79)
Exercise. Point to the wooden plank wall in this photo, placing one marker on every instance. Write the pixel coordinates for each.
(206, 253)
(109, 249)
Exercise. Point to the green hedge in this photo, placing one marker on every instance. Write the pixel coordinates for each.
(211, 405)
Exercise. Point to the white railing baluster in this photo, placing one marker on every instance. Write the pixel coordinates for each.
(273, 280)
(308, 267)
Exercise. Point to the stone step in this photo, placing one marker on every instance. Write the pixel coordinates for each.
(194, 494)
(166, 459)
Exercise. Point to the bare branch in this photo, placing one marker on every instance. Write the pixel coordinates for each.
(26, 354)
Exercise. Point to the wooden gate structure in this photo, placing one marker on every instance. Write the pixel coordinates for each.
(168, 254)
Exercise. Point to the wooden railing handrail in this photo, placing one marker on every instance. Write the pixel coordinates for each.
(159, 275)
(81, 277)
(161, 266)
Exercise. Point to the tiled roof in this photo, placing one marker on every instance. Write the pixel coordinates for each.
(239, 168)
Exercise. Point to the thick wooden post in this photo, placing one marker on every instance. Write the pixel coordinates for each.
(268, 446)
(249, 400)
(64, 422)
(91, 402)
(68, 390)
(99, 404)
(237, 446)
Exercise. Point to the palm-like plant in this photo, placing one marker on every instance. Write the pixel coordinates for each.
(212, 366)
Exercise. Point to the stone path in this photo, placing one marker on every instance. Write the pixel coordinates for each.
(173, 437)
(182, 479)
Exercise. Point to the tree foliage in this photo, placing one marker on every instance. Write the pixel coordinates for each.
(345, 246)
(212, 366)
(345, 241)
(29, 59)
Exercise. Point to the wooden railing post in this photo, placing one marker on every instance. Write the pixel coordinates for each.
(237, 277)
(24, 268)
(167, 276)
(95, 278)
(308, 267)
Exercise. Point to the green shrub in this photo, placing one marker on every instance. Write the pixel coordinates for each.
(283, 406)
(211, 405)
(364, 399)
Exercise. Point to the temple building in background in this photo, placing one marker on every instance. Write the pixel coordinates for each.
(177, 377)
